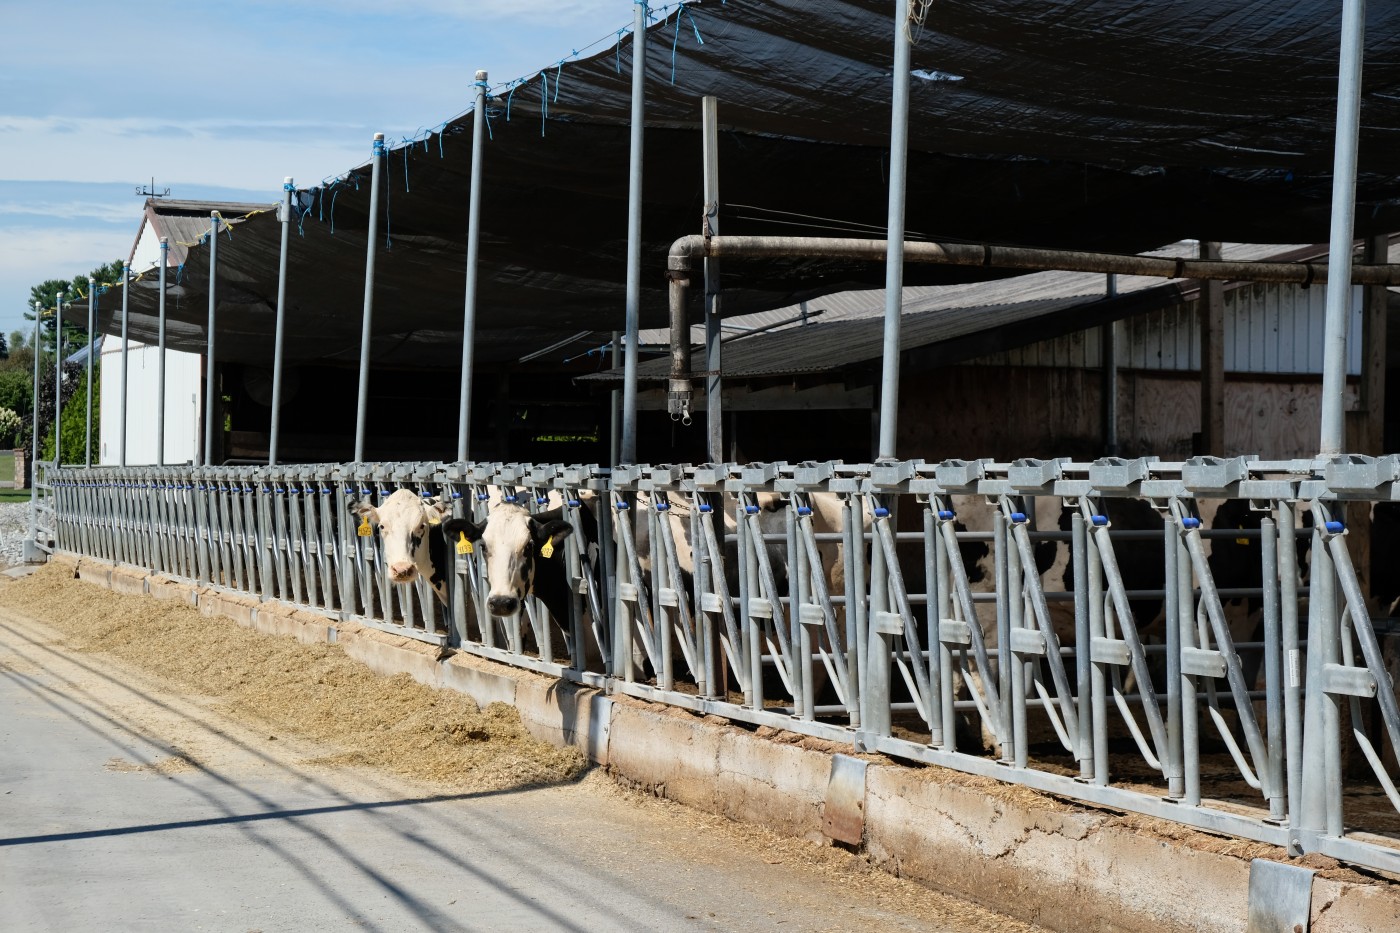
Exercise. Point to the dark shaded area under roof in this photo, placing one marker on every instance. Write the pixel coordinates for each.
(1105, 124)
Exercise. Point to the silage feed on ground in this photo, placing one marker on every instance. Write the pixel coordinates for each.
(315, 691)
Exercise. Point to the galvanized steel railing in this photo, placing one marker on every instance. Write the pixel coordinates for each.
(878, 605)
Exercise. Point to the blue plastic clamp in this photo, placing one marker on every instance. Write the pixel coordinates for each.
(1018, 518)
(1335, 527)
(1190, 522)
(1100, 520)
(882, 513)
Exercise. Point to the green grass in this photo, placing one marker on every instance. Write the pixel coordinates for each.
(14, 495)
(7, 466)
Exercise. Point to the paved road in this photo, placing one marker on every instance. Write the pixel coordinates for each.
(125, 805)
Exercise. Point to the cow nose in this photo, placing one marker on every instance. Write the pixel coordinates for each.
(503, 605)
(402, 571)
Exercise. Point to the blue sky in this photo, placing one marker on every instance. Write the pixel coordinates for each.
(223, 100)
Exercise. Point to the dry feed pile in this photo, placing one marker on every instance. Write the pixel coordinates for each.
(313, 691)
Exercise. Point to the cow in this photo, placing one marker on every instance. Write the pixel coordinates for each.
(405, 523)
(522, 556)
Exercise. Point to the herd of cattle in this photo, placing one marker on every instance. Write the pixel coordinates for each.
(518, 553)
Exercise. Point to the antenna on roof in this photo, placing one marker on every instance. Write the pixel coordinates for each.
(151, 192)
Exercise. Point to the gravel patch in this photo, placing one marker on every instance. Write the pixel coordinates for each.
(14, 528)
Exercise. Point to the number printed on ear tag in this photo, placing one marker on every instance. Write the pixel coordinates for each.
(364, 531)
(463, 545)
(547, 549)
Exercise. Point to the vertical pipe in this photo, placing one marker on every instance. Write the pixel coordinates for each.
(92, 326)
(714, 383)
(1212, 331)
(1339, 286)
(160, 366)
(894, 257)
(362, 399)
(1320, 737)
(126, 316)
(58, 364)
(614, 438)
(1293, 689)
(285, 216)
(634, 233)
(34, 436)
(464, 411)
(1083, 645)
(1273, 668)
(1109, 339)
(1173, 598)
(209, 380)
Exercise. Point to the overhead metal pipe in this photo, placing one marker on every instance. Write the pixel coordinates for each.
(58, 376)
(91, 326)
(894, 254)
(1014, 257)
(284, 214)
(209, 380)
(464, 415)
(634, 234)
(126, 316)
(362, 398)
(160, 365)
(1334, 347)
(714, 378)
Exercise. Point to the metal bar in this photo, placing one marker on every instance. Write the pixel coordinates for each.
(58, 362)
(210, 382)
(1339, 259)
(91, 326)
(464, 411)
(285, 216)
(628, 453)
(366, 330)
(33, 464)
(894, 256)
(714, 380)
(126, 345)
(160, 379)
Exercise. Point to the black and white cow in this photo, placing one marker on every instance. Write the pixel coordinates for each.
(407, 524)
(523, 556)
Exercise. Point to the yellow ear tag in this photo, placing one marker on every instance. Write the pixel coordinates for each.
(434, 519)
(463, 545)
(364, 530)
(547, 549)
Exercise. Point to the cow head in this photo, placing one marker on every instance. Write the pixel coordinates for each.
(404, 522)
(509, 542)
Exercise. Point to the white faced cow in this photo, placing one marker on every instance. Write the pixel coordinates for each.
(523, 556)
(407, 527)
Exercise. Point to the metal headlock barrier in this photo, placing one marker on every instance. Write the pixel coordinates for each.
(1185, 640)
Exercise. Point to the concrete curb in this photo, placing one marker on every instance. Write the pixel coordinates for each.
(1060, 865)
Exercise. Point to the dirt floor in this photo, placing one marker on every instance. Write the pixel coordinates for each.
(318, 709)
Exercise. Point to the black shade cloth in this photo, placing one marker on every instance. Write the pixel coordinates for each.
(1100, 124)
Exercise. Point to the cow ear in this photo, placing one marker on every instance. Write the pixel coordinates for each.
(434, 509)
(551, 533)
(461, 526)
(364, 510)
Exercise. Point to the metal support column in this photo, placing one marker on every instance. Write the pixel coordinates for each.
(464, 411)
(1334, 347)
(160, 365)
(1212, 321)
(91, 326)
(362, 398)
(126, 318)
(209, 380)
(714, 382)
(1109, 338)
(31, 550)
(628, 452)
(284, 214)
(58, 366)
(894, 234)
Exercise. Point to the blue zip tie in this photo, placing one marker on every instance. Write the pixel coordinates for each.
(804, 510)
(1188, 522)
(706, 508)
(456, 494)
(622, 506)
(573, 503)
(1018, 518)
(751, 509)
(1335, 527)
(558, 72)
(662, 506)
(882, 513)
(541, 500)
(946, 515)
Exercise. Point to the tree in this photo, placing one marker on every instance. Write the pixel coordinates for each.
(74, 291)
(18, 340)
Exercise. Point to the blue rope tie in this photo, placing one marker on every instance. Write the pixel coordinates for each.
(544, 100)
(388, 221)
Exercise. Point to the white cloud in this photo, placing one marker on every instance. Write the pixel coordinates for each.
(30, 255)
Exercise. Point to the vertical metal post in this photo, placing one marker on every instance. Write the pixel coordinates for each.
(628, 453)
(29, 544)
(1321, 740)
(92, 326)
(1109, 338)
(1212, 324)
(209, 380)
(284, 214)
(362, 399)
(464, 411)
(160, 365)
(58, 368)
(1334, 347)
(126, 316)
(614, 438)
(714, 383)
(894, 256)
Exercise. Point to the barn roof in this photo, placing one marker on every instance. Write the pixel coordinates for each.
(1105, 124)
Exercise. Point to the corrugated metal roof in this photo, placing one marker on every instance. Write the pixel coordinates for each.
(184, 222)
